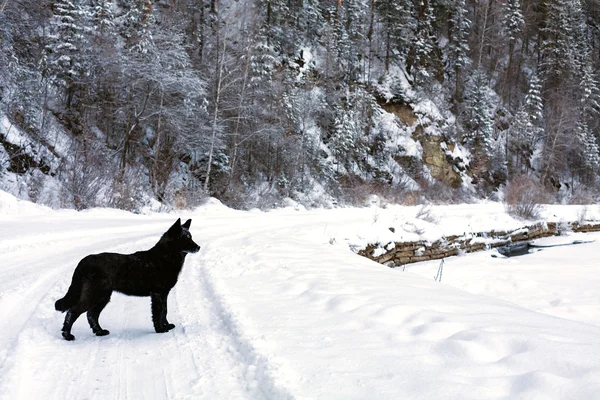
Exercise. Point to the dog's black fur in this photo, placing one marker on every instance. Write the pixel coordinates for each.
(151, 273)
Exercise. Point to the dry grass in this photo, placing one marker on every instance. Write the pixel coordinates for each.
(356, 191)
(425, 213)
(524, 196)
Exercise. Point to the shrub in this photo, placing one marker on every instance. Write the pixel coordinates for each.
(524, 196)
(426, 213)
(358, 192)
(189, 198)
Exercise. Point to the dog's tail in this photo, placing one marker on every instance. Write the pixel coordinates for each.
(72, 296)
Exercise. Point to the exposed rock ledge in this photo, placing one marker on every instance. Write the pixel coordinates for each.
(441, 164)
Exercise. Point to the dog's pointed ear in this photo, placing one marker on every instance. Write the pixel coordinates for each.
(187, 224)
(176, 227)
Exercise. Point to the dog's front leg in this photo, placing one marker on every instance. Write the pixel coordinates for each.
(159, 312)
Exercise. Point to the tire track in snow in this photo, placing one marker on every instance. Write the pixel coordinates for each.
(194, 361)
(20, 303)
(28, 310)
(140, 364)
(205, 354)
(256, 370)
(263, 374)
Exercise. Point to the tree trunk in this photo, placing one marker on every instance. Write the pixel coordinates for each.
(387, 50)
(484, 29)
(128, 135)
(156, 165)
(506, 90)
(238, 121)
(370, 38)
(216, 111)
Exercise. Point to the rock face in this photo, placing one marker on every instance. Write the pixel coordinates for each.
(441, 165)
(436, 159)
(404, 112)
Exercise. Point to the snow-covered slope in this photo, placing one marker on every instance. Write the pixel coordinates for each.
(276, 306)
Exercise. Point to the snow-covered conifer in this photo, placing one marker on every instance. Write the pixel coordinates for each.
(458, 47)
(480, 120)
(513, 20)
(399, 27)
(102, 17)
(590, 151)
(590, 93)
(588, 118)
(310, 21)
(344, 135)
(63, 61)
(424, 44)
(564, 44)
(533, 101)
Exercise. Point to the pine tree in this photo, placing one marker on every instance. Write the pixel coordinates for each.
(458, 47)
(356, 13)
(590, 93)
(274, 26)
(399, 28)
(564, 45)
(350, 39)
(135, 24)
(527, 127)
(302, 108)
(588, 118)
(102, 17)
(589, 145)
(63, 59)
(310, 22)
(263, 61)
(144, 41)
(577, 20)
(513, 24)
(422, 59)
(533, 102)
(344, 136)
(513, 21)
(480, 121)
(519, 143)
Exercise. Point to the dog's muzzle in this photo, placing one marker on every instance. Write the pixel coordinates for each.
(194, 250)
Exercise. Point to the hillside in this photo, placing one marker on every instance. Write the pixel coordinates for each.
(161, 103)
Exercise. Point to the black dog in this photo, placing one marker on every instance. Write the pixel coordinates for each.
(151, 273)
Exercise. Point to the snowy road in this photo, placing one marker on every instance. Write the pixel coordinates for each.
(201, 359)
(275, 306)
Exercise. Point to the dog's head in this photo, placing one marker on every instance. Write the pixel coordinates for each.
(179, 236)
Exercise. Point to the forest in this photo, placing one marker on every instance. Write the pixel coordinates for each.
(123, 103)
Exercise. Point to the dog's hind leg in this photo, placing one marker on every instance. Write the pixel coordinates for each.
(159, 312)
(94, 313)
(70, 319)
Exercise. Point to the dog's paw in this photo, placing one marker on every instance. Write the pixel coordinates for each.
(101, 332)
(160, 328)
(68, 336)
(164, 328)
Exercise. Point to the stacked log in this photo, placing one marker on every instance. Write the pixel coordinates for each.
(402, 253)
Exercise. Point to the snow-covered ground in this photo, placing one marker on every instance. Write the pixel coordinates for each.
(277, 306)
